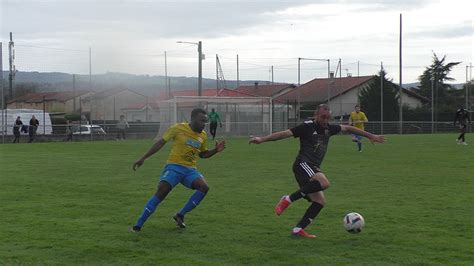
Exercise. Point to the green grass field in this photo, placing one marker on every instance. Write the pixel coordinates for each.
(72, 203)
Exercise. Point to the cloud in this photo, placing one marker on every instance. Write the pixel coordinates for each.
(138, 19)
(445, 32)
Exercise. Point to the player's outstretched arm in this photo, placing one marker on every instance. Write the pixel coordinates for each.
(220, 146)
(272, 137)
(372, 137)
(153, 149)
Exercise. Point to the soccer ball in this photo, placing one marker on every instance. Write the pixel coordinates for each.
(353, 222)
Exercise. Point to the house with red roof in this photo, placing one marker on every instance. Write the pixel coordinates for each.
(241, 113)
(53, 102)
(341, 94)
(147, 110)
(273, 90)
(108, 104)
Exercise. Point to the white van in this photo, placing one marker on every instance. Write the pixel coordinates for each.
(6, 125)
(88, 130)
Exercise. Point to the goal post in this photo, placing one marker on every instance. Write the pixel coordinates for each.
(240, 116)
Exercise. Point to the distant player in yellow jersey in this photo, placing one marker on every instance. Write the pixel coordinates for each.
(189, 143)
(357, 119)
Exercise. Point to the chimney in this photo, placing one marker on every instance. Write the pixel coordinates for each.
(256, 85)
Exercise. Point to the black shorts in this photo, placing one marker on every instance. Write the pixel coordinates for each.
(304, 171)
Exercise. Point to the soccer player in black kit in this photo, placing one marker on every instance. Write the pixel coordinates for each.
(314, 138)
(463, 117)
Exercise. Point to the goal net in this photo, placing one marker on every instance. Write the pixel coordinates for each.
(240, 116)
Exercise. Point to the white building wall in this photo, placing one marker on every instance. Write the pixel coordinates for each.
(411, 101)
(344, 104)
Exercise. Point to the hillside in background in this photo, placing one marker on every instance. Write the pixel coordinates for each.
(145, 84)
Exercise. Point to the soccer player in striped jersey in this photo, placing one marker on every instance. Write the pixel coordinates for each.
(189, 144)
(314, 139)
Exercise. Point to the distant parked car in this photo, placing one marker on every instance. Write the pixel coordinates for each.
(88, 130)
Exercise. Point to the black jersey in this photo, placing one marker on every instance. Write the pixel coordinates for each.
(462, 116)
(314, 139)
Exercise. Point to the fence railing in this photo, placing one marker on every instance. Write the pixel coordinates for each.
(111, 131)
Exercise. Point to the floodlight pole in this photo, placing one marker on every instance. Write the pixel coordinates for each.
(1, 87)
(400, 80)
(432, 104)
(199, 45)
(468, 83)
(381, 97)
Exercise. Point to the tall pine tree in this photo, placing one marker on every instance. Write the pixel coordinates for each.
(444, 95)
(370, 99)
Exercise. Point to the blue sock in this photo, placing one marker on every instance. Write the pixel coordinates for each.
(192, 202)
(150, 207)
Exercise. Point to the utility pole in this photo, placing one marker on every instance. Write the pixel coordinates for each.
(90, 68)
(299, 70)
(11, 60)
(3, 97)
(401, 84)
(238, 81)
(340, 87)
(166, 74)
(74, 93)
(1, 65)
(169, 87)
(468, 84)
(200, 58)
(200, 68)
(432, 103)
(381, 97)
(272, 74)
(358, 86)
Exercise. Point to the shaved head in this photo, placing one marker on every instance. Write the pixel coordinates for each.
(323, 114)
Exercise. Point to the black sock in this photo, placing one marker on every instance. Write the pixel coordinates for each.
(310, 187)
(311, 213)
(359, 144)
(462, 137)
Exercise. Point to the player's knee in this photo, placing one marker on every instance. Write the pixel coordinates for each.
(163, 189)
(204, 188)
(324, 183)
(320, 201)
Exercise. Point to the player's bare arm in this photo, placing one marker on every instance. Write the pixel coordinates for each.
(153, 149)
(220, 146)
(272, 137)
(368, 135)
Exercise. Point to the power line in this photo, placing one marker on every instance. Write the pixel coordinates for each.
(51, 48)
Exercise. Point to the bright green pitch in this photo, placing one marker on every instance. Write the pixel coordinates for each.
(72, 203)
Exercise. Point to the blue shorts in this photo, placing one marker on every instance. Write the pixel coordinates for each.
(175, 173)
(357, 137)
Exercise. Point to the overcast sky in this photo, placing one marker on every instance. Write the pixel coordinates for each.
(131, 36)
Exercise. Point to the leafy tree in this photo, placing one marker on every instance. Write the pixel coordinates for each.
(438, 70)
(23, 88)
(370, 99)
(446, 98)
